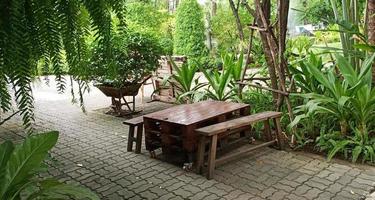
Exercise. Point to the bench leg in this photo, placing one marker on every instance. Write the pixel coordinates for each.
(200, 154)
(212, 157)
(267, 130)
(138, 143)
(279, 134)
(130, 138)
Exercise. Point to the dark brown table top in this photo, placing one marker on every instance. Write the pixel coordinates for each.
(188, 114)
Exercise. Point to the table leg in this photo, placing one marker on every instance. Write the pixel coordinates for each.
(200, 154)
(267, 131)
(139, 139)
(244, 112)
(130, 138)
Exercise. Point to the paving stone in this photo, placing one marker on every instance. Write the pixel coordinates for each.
(312, 194)
(325, 196)
(245, 197)
(284, 187)
(278, 195)
(335, 188)
(344, 180)
(292, 196)
(268, 192)
(212, 197)
(201, 195)
(315, 184)
(148, 195)
(302, 189)
(183, 193)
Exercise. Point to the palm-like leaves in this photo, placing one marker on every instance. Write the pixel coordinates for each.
(19, 165)
(46, 29)
(350, 100)
(218, 84)
(184, 80)
(222, 85)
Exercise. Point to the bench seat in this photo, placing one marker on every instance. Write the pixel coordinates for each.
(211, 133)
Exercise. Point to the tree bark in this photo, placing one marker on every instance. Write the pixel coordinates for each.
(371, 29)
(238, 20)
(213, 7)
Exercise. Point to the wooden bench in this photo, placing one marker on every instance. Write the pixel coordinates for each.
(211, 133)
(134, 123)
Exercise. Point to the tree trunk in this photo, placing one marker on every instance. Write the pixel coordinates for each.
(238, 20)
(213, 7)
(371, 29)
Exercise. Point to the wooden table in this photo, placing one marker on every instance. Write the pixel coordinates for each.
(173, 129)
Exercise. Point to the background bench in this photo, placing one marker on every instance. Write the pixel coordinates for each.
(135, 123)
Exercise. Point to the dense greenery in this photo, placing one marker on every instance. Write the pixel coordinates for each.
(224, 28)
(20, 164)
(189, 35)
(135, 56)
(145, 17)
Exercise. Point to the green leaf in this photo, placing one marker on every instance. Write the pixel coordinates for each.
(365, 47)
(6, 150)
(347, 70)
(356, 152)
(26, 157)
(339, 146)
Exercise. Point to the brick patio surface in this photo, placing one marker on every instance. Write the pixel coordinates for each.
(92, 151)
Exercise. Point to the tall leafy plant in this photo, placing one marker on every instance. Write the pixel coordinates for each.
(189, 35)
(53, 31)
(19, 165)
(222, 84)
(219, 83)
(185, 81)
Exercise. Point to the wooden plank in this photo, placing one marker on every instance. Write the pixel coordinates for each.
(242, 152)
(188, 114)
(237, 123)
(134, 121)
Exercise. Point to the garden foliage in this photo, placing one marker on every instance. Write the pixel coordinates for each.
(135, 56)
(189, 35)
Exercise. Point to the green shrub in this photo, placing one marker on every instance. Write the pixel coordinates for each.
(189, 35)
(135, 56)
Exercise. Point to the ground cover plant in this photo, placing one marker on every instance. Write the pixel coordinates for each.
(20, 164)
